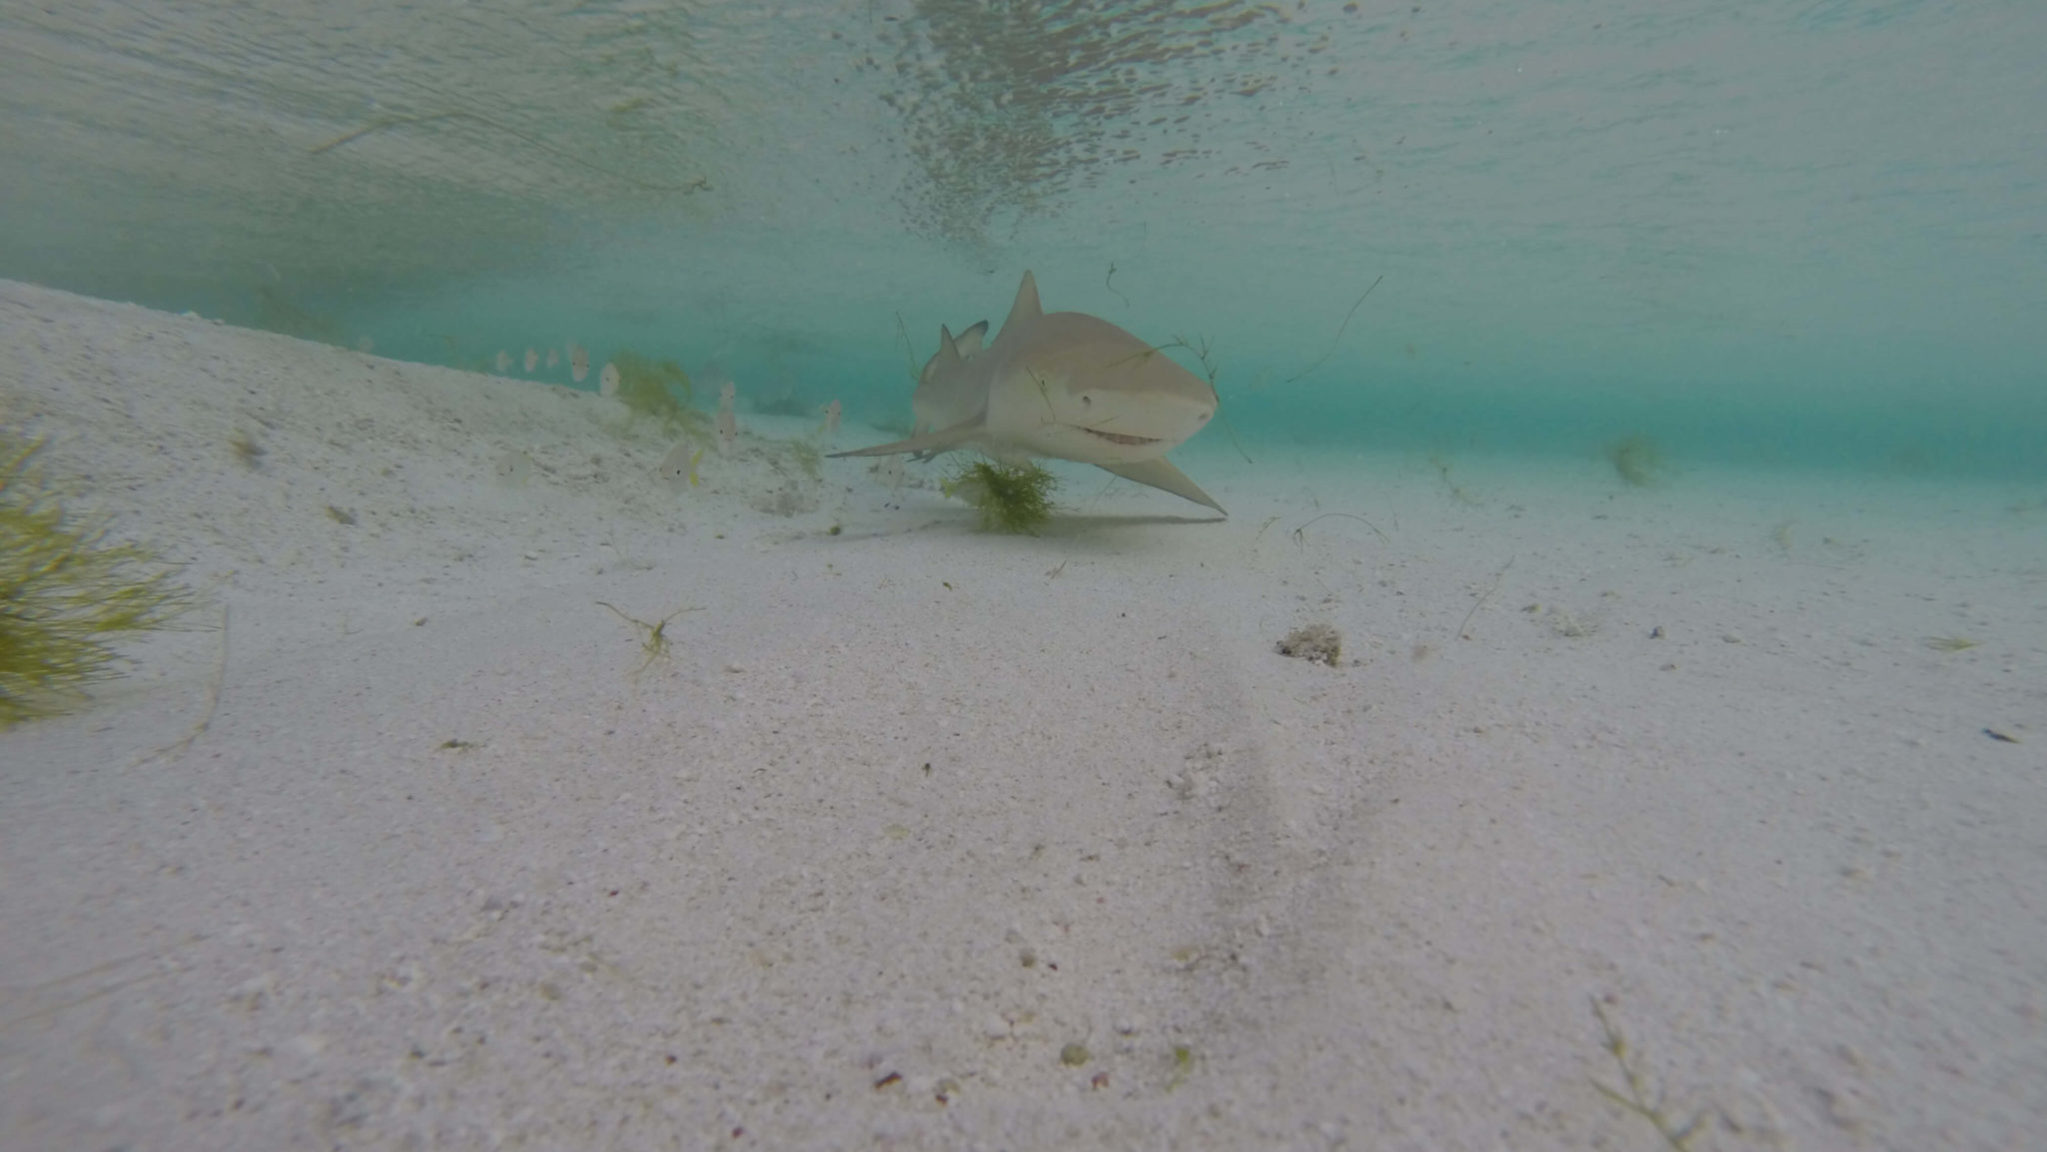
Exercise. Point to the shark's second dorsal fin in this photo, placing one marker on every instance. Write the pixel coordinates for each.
(969, 342)
(1025, 310)
(948, 352)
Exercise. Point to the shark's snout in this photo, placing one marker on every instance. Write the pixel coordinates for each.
(1138, 421)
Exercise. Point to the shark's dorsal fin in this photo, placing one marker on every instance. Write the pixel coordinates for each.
(948, 353)
(969, 342)
(1025, 310)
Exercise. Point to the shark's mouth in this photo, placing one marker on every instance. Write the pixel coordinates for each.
(1118, 437)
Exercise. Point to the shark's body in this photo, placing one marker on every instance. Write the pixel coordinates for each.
(1065, 385)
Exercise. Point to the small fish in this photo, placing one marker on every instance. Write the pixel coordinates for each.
(831, 425)
(504, 361)
(678, 469)
(607, 380)
(728, 421)
(554, 357)
(579, 362)
(532, 361)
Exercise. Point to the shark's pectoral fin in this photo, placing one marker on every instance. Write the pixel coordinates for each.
(1161, 474)
(928, 444)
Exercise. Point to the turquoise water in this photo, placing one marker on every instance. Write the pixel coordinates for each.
(1807, 234)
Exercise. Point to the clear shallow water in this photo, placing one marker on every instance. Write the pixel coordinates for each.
(1811, 235)
(1724, 749)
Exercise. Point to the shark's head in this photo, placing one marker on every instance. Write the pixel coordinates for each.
(1098, 395)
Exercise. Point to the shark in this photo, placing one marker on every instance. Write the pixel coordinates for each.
(1064, 385)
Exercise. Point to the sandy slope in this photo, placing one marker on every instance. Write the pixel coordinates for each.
(923, 838)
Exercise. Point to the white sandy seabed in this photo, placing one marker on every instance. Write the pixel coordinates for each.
(924, 838)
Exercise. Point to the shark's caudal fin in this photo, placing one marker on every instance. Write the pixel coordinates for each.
(1161, 474)
(928, 443)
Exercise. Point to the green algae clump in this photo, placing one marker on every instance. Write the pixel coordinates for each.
(1638, 461)
(661, 390)
(807, 457)
(1010, 497)
(66, 594)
